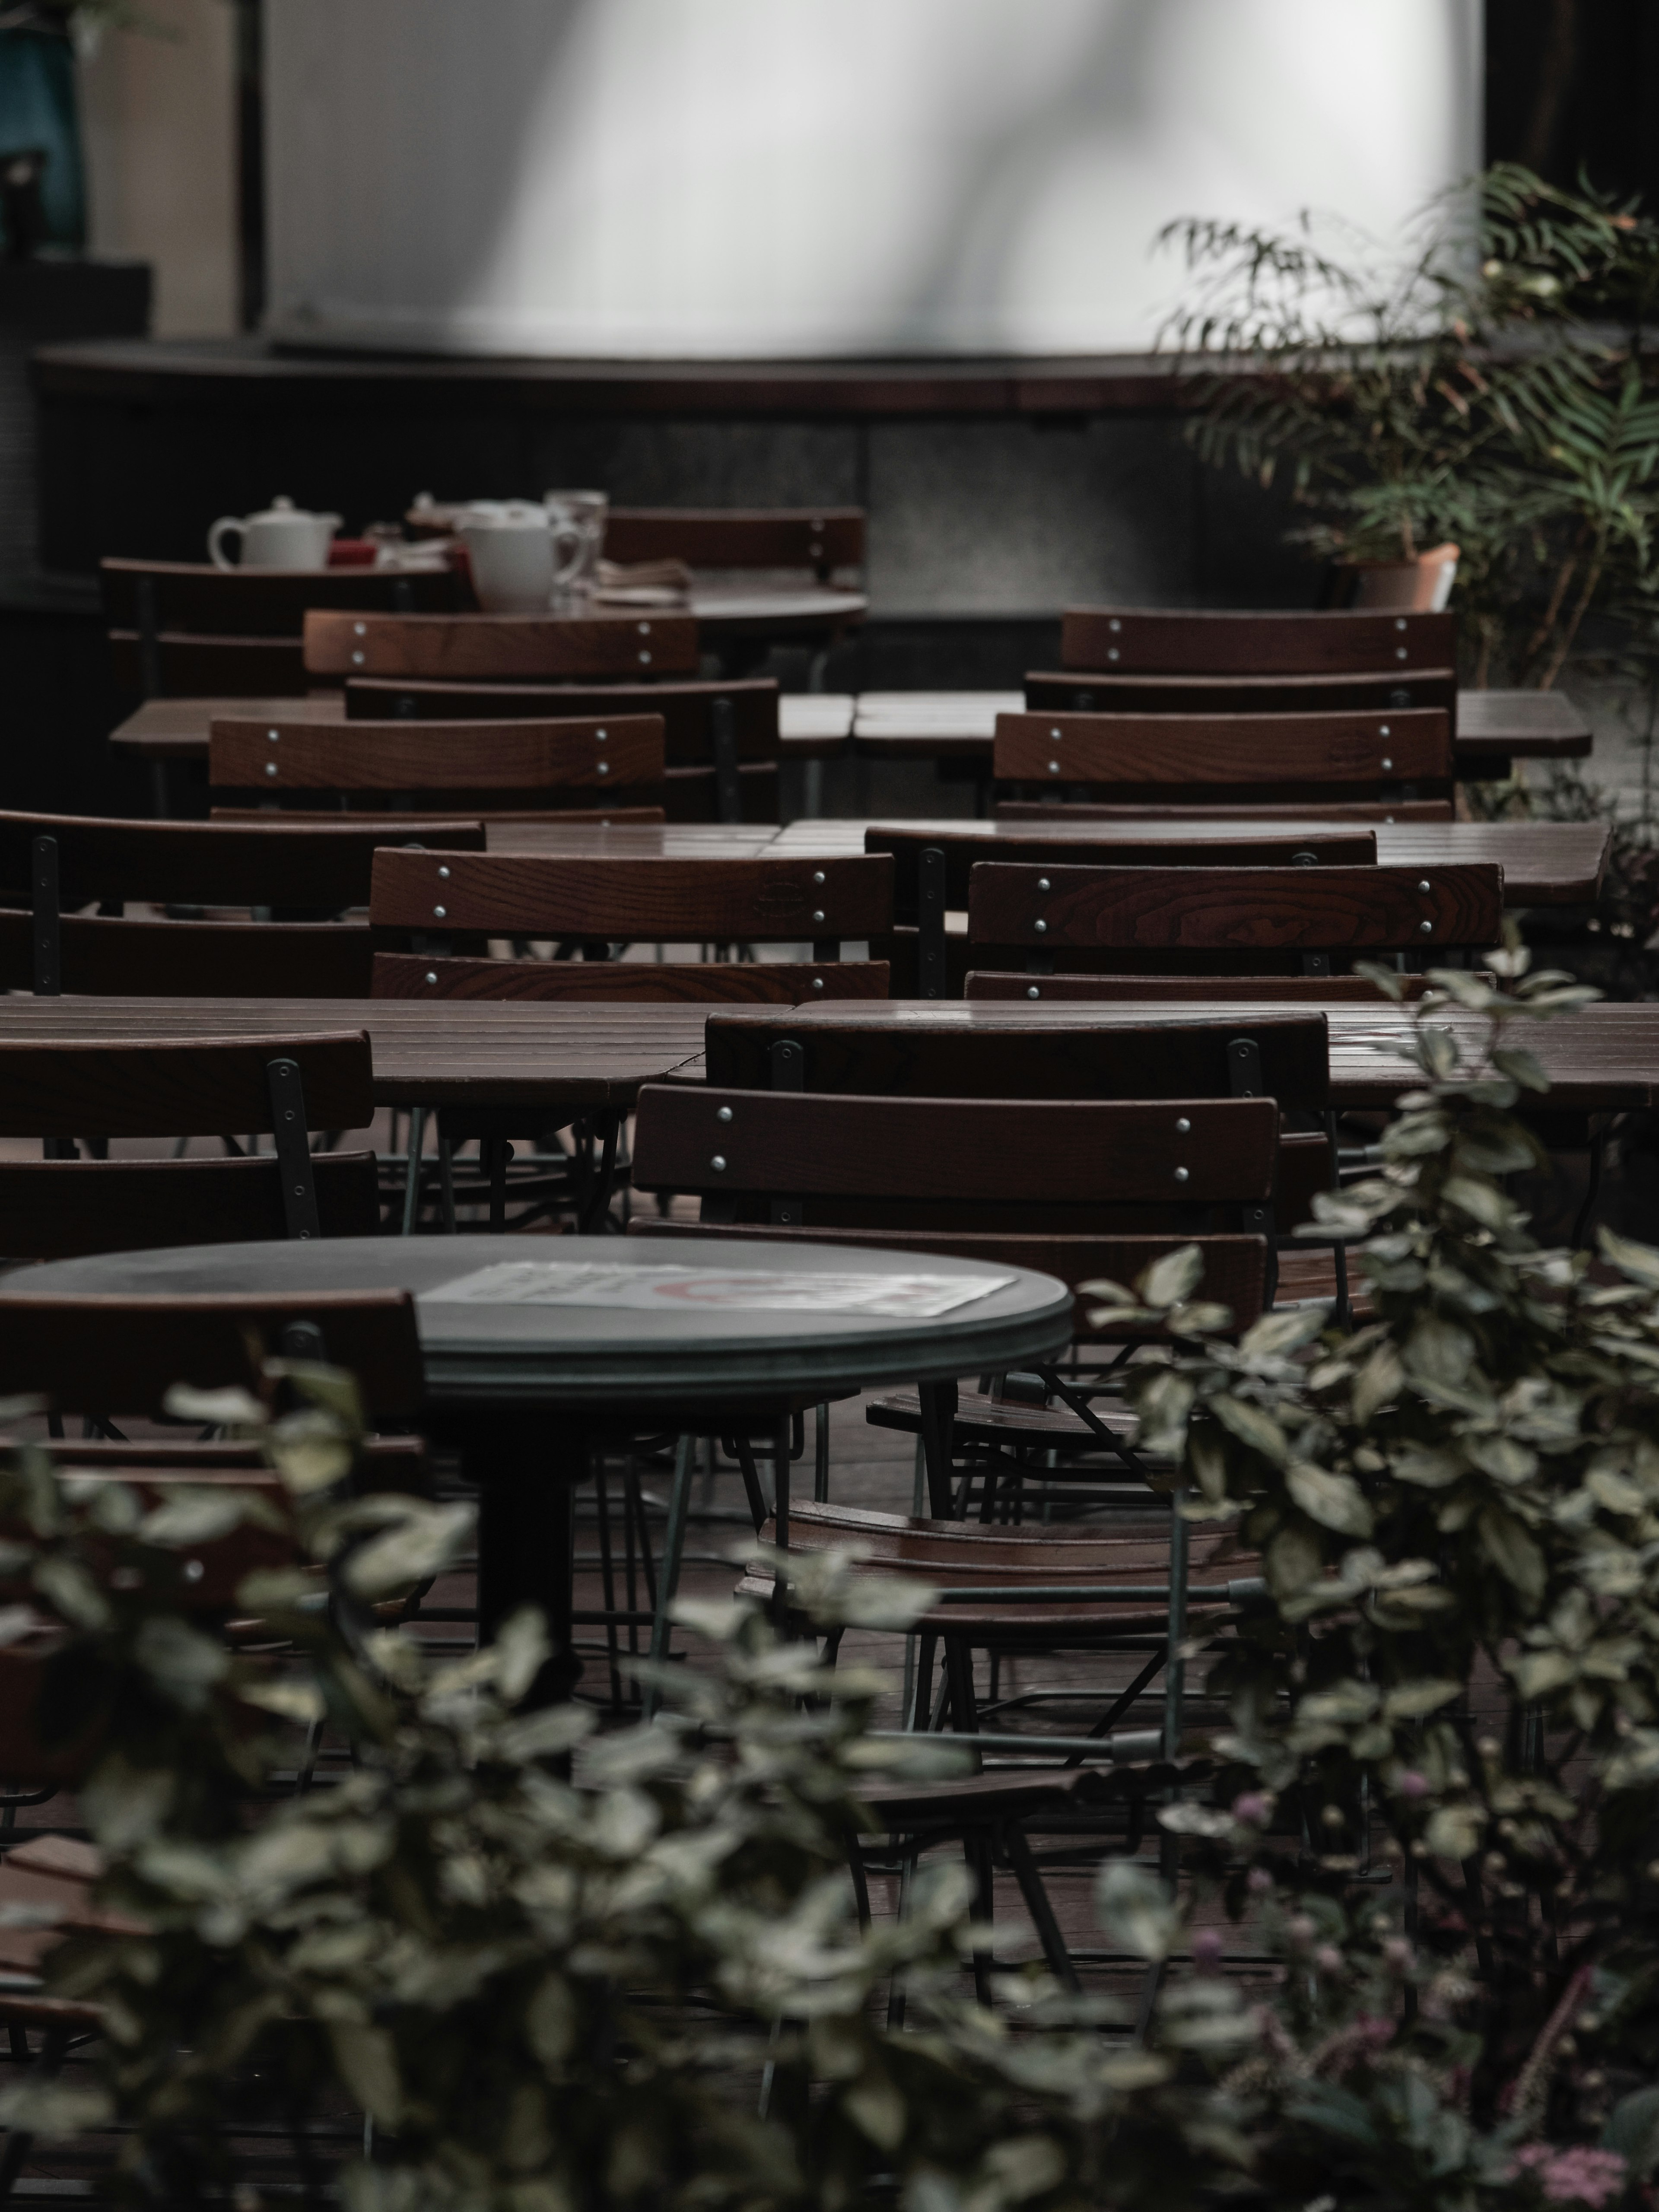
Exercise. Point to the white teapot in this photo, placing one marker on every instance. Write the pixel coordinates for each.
(283, 537)
(520, 555)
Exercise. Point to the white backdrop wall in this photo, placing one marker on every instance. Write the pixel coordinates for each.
(798, 178)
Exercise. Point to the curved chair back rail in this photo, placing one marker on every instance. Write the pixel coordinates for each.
(1063, 1153)
(1103, 691)
(1236, 911)
(820, 538)
(505, 895)
(105, 957)
(234, 863)
(939, 1055)
(582, 752)
(1133, 640)
(157, 1087)
(63, 1209)
(687, 708)
(1166, 751)
(500, 648)
(113, 1355)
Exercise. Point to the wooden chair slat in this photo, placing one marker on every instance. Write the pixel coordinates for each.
(942, 1060)
(162, 1087)
(499, 648)
(1236, 911)
(1045, 1152)
(820, 538)
(105, 956)
(208, 863)
(61, 1209)
(200, 599)
(759, 900)
(1411, 746)
(112, 1355)
(1268, 643)
(630, 982)
(684, 704)
(295, 755)
(988, 984)
(1102, 689)
(1257, 813)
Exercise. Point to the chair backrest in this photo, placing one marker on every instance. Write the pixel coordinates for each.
(113, 1355)
(583, 753)
(751, 901)
(1095, 692)
(1168, 754)
(954, 1053)
(631, 982)
(1132, 640)
(187, 629)
(63, 1209)
(915, 884)
(1261, 814)
(161, 1087)
(101, 957)
(722, 740)
(500, 648)
(401, 821)
(820, 538)
(986, 985)
(1237, 916)
(998, 1163)
(207, 863)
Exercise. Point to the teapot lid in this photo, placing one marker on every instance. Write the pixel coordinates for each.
(282, 509)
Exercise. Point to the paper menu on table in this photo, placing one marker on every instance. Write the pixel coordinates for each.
(669, 1289)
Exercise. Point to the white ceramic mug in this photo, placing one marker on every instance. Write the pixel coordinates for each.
(283, 537)
(519, 553)
(585, 512)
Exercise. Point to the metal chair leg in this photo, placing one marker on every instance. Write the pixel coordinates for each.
(1040, 1906)
(412, 1174)
(673, 1551)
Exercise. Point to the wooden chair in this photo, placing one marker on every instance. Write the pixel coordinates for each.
(821, 539)
(720, 739)
(933, 866)
(1188, 641)
(1169, 757)
(1226, 921)
(101, 956)
(629, 982)
(62, 1206)
(493, 761)
(186, 630)
(108, 1355)
(598, 903)
(312, 867)
(500, 648)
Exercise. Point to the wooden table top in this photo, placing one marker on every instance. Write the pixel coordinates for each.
(594, 1356)
(745, 610)
(811, 725)
(1544, 863)
(1600, 1059)
(473, 1052)
(962, 724)
(643, 840)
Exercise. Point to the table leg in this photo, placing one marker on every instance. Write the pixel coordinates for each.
(527, 1467)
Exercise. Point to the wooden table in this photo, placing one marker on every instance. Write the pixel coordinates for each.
(1544, 863)
(454, 1053)
(529, 1389)
(1493, 727)
(1603, 1059)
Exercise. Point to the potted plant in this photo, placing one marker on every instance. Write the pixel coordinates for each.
(1487, 390)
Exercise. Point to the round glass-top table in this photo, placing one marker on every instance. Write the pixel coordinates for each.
(535, 1349)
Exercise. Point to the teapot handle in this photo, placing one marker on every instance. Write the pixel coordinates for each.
(217, 536)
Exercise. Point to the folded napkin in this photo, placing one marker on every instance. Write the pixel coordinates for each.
(643, 583)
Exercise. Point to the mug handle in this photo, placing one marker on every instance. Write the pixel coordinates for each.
(216, 535)
(567, 572)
